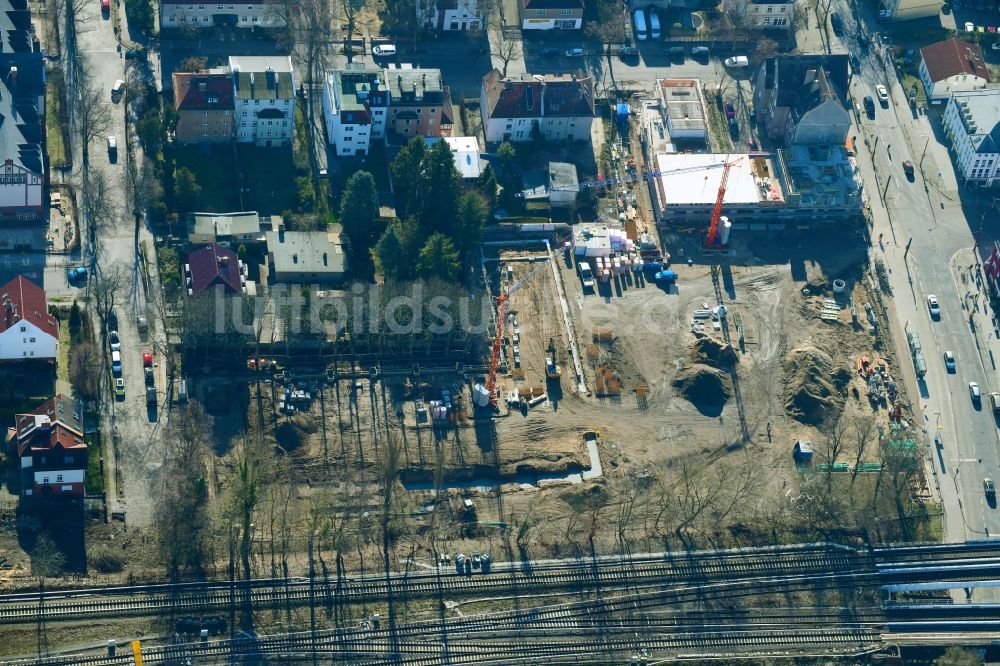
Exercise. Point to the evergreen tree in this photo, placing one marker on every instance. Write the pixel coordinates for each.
(471, 222)
(359, 213)
(405, 173)
(487, 184)
(506, 153)
(438, 258)
(186, 188)
(439, 187)
(75, 322)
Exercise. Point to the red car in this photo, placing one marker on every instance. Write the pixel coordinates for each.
(147, 359)
(105, 5)
(730, 111)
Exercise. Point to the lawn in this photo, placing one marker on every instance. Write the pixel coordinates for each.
(94, 478)
(909, 82)
(215, 172)
(269, 179)
(55, 121)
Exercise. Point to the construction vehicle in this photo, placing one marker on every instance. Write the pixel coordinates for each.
(491, 379)
(552, 370)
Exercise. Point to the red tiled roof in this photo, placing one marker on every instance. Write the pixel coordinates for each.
(211, 265)
(953, 56)
(562, 96)
(54, 422)
(23, 299)
(192, 91)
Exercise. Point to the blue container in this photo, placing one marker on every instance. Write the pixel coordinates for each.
(666, 276)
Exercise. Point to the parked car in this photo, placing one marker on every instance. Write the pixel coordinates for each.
(116, 363)
(115, 341)
(120, 388)
(628, 52)
(883, 95)
(384, 50)
(989, 488)
(148, 376)
(112, 149)
(147, 359)
(908, 170)
(700, 51)
(837, 23)
(78, 274)
(949, 361)
(737, 61)
(870, 106)
(974, 392)
(855, 63)
(117, 89)
(150, 396)
(933, 306)
(574, 53)
(730, 110)
(105, 6)
(551, 52)
(676, 51)
(586, 275)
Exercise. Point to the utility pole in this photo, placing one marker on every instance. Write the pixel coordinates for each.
(907, 250)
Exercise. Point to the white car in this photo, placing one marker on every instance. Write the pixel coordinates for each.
(882, 94)
(970, 26)
(995, 46)
(573, 53)
(933, 306)
(949, 361)
(737, 61)
(116, 342)
(384, 50)
(974, 392)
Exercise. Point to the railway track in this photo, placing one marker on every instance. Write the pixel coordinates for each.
(75, 604)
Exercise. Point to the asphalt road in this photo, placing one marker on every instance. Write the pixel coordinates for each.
(928, 216)
(136, 429)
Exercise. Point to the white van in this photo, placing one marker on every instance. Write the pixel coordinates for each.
(640, 25)
(738, 61)
(384, 50)
(654, 25)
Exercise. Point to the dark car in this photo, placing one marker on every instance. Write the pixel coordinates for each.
(135, 54)
(551, 52)
(855, 63)
(837, 23)
(628, 52)
(730, 111)
(908, 170)
(870, 106)
(734, 129)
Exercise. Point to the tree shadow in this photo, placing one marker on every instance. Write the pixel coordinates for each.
(52, 534)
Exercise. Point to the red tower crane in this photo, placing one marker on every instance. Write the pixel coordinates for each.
(491, 379)
(713, 226)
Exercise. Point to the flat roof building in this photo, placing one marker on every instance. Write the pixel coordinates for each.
(306, 256)
(683, 108)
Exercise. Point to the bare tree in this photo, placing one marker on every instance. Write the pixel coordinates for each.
(865, 433)
(92, 112)
(609, 30)
(84, 370)
(108, 288)
(507, 47)
(250, 472)
(350, 12)
(832, 445)
(98, 200)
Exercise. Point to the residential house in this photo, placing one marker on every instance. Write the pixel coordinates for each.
(185, 14)
(204, 105)
(952, 66)
(264, 90)
(305, 257)
(763, 14)
(799, 99)
(556, 107)
(51, 451)
(904, 10)
(226, 229)
(468, 161)
(355, 107)
(683, 108)
(22, 118)
(551, 14)
(420, 104)
(27, 330)
(450, 14)
(214, 265)
(972, 123)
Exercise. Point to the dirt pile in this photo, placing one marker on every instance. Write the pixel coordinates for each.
(705, 387)
(715, 352)
(812, 385)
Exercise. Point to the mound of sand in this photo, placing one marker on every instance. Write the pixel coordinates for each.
(715, 352)
(811, 385)
(705, 387)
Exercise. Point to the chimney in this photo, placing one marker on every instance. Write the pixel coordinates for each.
(271, 76)
(202, 87)
(13, 77)
(399, 82)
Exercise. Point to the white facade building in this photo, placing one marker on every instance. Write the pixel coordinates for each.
(952, 66)
(972, 123)
(27, 330)
(764, 14)
(355, 108)
(552, 106)
(450, 14)
(264, 99)
(245, 14)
